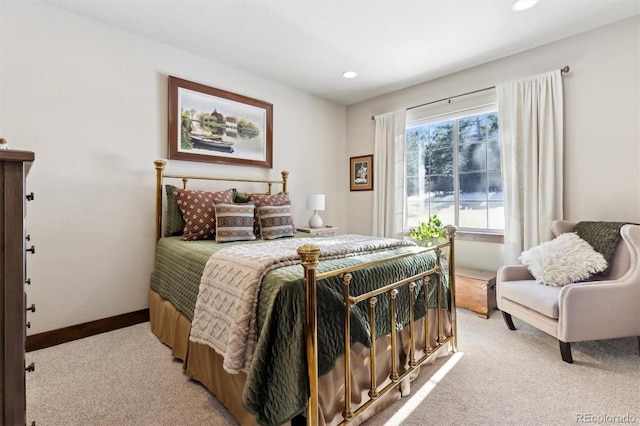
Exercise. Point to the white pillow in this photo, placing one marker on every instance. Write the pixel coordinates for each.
(563, 260)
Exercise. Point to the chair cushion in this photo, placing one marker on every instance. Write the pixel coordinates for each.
(541, 298)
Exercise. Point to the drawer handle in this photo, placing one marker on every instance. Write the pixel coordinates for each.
(30, 197)
(30, 368)
(32, 250)
(28, 324)
(32, 308)
(27, 281)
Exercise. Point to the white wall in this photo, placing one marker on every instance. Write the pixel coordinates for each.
(602, 136)
(91, 101)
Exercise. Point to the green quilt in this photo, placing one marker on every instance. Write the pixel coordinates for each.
(277, 383)
(178, 268)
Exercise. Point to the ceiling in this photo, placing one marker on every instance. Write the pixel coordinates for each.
(307, 44)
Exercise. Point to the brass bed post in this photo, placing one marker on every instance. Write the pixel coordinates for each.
(347, 413)
(451, 233)
(309, 255)
(394, 354)
(373, 392)
(412, 335)
(439, 320)
(427, 334)
(285, 176)
(159, 172)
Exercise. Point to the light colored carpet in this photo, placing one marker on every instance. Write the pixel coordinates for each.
(498, 377)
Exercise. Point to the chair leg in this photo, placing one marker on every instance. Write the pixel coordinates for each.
(638, 345)
(565, 351)
(509, 321)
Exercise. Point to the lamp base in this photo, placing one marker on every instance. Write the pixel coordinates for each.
(315, 221)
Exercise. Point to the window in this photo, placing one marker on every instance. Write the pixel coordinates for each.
(453, 170)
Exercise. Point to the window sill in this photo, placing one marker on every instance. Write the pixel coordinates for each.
(480, 237)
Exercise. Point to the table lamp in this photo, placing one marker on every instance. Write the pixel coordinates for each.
(315, 202)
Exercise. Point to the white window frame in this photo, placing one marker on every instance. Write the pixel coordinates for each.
(413, 121)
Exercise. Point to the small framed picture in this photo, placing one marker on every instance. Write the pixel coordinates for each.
(361, 174)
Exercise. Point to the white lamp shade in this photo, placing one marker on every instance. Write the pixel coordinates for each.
(521, 5)
(315, 202)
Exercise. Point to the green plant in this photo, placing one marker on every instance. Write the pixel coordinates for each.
(429, 231)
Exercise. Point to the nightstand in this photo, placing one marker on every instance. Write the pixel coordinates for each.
(325, 231)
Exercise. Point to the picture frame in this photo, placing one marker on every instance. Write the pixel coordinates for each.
(361, 173)
(215, 126)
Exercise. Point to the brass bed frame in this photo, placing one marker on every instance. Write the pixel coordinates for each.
(309, 255)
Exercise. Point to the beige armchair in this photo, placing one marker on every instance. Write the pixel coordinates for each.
(601, 308)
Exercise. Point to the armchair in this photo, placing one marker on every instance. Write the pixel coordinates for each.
(600, 308)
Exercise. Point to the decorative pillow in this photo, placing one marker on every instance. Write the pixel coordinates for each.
(279, 199)
(563, 260)
(275, 222)
(235, 222)
(602, 236)
(240, 197)
(174, 220)
(198, 211)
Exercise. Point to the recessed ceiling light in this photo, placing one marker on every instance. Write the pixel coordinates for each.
(521, 5)
(349, 74)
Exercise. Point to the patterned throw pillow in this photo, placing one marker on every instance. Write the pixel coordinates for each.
(198, 211)
(174, 220)
(275, 222)
(279, 199)
(235, 222)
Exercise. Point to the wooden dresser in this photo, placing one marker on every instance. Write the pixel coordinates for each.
(476, 290)
(14, 166)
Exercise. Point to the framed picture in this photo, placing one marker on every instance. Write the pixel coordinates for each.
(216, 126)
(361, 173)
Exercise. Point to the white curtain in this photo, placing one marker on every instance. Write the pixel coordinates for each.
(531, 143)
(388, 175)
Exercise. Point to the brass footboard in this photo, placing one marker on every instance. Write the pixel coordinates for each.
(309, 255)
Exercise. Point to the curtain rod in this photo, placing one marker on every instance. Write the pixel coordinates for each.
(563, 70)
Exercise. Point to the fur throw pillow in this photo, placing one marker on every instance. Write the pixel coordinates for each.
(563, 260)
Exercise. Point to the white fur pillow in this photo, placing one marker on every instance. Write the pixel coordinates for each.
(563, 260)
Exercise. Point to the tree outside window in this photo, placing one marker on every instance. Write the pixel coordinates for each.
(453, 170)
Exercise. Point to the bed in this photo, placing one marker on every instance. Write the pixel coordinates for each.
(314, 300)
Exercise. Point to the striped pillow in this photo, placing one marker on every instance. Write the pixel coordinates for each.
(275, 222)
(279, 199)
(234, 222)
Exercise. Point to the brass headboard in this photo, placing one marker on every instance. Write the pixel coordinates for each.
(160, 175)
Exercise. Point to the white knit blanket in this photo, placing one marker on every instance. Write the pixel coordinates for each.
(226, 308)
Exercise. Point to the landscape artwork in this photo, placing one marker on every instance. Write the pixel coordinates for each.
(213, 125)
